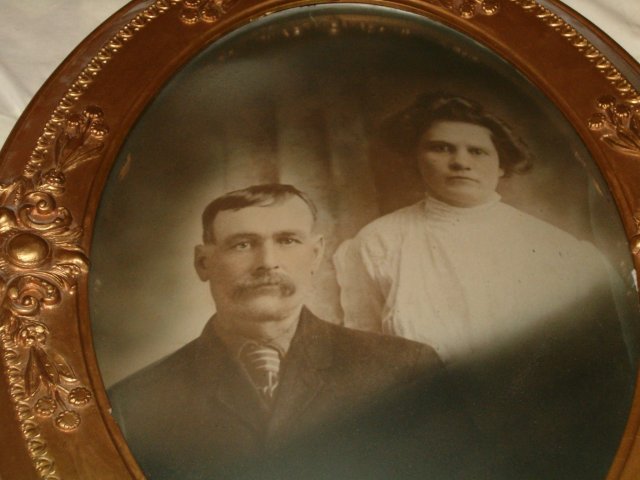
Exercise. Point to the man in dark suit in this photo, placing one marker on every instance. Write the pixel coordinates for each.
(271, 391)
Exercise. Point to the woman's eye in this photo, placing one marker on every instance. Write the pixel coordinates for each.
(439, 148)
(477, 151)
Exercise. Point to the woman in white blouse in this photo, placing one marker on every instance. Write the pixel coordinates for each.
(521, 311)
(461, 270)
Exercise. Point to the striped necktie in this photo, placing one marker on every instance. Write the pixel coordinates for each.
(262, 363)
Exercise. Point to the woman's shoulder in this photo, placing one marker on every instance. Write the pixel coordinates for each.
(381, 237)
(531, 224)
(393, 224)
(536, 230)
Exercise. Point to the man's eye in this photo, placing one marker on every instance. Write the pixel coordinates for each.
(241, 246)
(288, 241)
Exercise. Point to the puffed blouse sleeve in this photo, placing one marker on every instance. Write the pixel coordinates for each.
(358, 263)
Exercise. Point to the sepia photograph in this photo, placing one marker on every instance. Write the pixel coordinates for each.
(288, 261)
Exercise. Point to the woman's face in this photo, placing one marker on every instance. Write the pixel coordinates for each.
(459, 163)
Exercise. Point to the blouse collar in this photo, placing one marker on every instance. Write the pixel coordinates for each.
(437, 209)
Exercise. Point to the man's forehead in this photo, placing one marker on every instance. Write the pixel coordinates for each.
(289, 214)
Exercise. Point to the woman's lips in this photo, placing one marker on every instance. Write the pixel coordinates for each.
(462, 178)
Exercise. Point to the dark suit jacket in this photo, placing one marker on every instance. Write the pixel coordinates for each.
(350, 404)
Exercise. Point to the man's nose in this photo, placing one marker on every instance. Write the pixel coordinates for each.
(268, 256)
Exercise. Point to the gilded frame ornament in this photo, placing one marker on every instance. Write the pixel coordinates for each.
(53, 406)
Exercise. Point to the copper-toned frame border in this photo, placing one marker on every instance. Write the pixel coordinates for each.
(53, 408)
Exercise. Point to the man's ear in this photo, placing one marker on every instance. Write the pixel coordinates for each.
(202, 261)
(318, 252)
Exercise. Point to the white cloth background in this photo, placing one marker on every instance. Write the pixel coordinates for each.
(37, 35)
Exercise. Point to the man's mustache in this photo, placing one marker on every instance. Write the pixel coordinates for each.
(264, 279)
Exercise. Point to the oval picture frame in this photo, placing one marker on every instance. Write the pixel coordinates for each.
(65, 159)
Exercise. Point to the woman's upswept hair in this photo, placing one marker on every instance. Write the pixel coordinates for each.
(402, 131)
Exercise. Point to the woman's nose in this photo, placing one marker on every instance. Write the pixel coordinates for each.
(460, 160)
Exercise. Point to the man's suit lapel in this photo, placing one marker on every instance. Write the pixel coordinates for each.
(230, 385)
(302, 372)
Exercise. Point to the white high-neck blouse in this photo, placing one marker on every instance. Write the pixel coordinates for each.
(463, 280)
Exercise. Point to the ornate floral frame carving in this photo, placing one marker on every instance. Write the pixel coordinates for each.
(53, 407)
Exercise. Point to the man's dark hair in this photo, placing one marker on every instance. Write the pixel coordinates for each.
(261, 195)
(402, 131)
